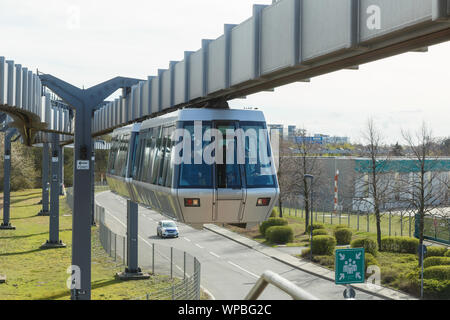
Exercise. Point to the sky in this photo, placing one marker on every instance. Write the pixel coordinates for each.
(86, 42)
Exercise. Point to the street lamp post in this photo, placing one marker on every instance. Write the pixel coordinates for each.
(310, 177)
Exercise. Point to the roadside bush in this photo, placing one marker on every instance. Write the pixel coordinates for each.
(305, 253)
(369, 245)
(436, 261)
(436, 252)
(323, 245)
(315, 227)
(320, 232)
(437, 273)
(432, 289)
(273, 214)
(399, 244)
(370, 260)
(341, 226)
(447, 254)
(343, 236)
(280, 234)
(271, 223)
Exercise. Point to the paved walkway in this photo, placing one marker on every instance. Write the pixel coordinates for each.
(304, 265)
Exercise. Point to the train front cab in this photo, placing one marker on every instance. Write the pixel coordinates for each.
(227, 191)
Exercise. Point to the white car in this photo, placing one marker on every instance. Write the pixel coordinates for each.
(167, 228)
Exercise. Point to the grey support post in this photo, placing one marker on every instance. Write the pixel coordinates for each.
(93, 183)
(85, 103)
(132, 272)
(45, 183)
(6, 225)
(54, 241)
(61, 172)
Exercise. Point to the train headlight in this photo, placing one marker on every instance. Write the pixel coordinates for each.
(191, 202)
(263, 202)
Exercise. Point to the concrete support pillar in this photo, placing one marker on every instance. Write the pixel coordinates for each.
(132, 272)
(54, 241)
(45, 183)
(6, 225)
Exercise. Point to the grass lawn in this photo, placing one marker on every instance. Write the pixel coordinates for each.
(35, 274)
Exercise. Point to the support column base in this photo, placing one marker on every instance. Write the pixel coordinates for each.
(127, 275)
(44, 213)
(2, 279)
(53, 245)
(7, 227)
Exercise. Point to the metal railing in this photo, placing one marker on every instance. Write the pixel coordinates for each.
(281, 283)
(181, 269)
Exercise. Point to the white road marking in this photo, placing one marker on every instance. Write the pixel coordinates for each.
(215, 255)
(239, 267)
(187, 239)
(199, 246)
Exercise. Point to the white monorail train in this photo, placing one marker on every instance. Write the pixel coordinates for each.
(144, 166)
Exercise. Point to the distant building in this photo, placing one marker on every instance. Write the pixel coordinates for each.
(353, 189)
(292, 134)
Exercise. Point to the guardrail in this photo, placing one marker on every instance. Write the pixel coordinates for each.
(183, 269)
(281, 283)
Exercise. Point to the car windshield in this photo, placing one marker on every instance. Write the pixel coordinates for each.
(169, 225)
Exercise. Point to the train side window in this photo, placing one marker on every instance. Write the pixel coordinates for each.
(157, 150)
(162, 161)
(168, 168)
(136, 155)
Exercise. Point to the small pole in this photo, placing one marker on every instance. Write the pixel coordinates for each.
(410, 224)
(401, 225)
(153, 258)
(368, 221)
(357, 221)
(184, 265)
(390, 223)
(171, 262)
(115, 247)
(421, 275)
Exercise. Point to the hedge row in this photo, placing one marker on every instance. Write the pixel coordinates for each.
(320, 232)
(270, 223)
(315, 226)
(399, 244)
(436, 252)
(280, 234)
(436, 261)
(369, 245)
(437, 273)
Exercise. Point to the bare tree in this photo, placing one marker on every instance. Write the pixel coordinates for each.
(378, 181)
(304, 162)
(427, 184)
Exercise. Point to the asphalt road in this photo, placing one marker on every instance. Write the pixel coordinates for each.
(228, 269)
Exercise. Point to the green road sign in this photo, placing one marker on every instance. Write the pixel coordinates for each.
(350, 266)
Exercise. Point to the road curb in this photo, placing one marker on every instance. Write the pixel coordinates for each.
(388, 294)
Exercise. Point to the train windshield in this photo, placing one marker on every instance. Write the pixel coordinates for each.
(259, 172)
(241, 152)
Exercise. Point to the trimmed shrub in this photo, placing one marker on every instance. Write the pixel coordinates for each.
(369, 245)
(341, 226)
(271, 223)
(399, 244)
(305, 253)
(320, 232)
(447, 254)
(436, 261)
(273, 214)
(280, 234)
(437, 273)
(323, 245)
(343, 236)
(435, 252)
(315, 227)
